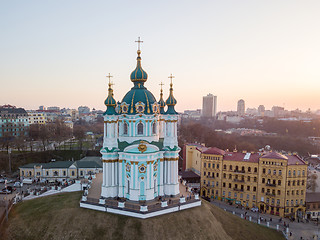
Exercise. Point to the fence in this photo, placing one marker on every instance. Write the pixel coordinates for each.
(135, 207)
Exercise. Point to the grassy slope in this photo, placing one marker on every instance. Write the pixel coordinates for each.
(60, 217)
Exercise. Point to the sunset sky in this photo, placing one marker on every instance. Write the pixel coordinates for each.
(57, 53)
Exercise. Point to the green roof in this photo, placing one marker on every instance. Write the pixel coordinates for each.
(57, 164)
(87, 164)
(30, 165)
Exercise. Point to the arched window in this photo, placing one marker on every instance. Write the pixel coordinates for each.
(125, 128)
(140, 128)
(154, 128)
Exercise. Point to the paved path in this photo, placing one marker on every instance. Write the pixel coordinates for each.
(95, 190)
(305, 230)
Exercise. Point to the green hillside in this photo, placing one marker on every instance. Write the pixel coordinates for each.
(60, 217)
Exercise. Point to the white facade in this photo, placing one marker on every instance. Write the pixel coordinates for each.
(140, 171)
(140, 148)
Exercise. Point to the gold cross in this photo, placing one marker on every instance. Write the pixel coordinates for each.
(109, 76)
(171, 76)
(161, 84)
(139, 43)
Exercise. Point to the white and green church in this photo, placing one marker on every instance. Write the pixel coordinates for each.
(140, 154)
(140, 149)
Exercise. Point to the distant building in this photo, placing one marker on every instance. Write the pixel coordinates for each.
(57, 109)
(209, 106)
(193, 114)
(36, 117)
(13, 121)
(278, 111)
(83, 110)
(252, 111)
(41, 108)
(261, 110)
(313, 206)
(241, 107)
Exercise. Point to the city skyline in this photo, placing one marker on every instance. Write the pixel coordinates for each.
(58, 55)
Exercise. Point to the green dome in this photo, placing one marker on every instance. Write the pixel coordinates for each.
(110, 102)
(138, 95)
(139, 75)
(171, 102)
(161, 103)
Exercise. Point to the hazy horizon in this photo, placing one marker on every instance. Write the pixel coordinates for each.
(58, 53)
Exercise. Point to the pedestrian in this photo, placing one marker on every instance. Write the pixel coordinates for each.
(290, 234)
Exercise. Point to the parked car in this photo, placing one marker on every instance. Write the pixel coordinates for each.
(17, 184)
(27, 181)
(7, 190)
(255, 209)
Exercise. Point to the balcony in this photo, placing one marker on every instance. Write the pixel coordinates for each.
(238, 189)
(238, 180)
(239, 171)
(270, 194)
(271, 185)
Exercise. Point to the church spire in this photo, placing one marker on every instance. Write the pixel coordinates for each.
(171, 101)
(139, 76)
(161, 102)
(110, 102)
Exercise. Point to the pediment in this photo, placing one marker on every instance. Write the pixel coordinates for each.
(141, 148)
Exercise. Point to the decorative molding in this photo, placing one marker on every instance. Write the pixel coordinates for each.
(110, 161)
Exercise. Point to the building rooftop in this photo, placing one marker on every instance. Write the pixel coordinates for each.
(312, 197)
(275, 155)
(215, 151)
(254, 157)
(239, 156)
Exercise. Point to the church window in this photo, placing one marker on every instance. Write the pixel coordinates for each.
(140, 128)
(154, 128)
(125, 128)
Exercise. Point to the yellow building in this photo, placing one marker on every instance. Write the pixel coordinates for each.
(192, 157)
(273, 182)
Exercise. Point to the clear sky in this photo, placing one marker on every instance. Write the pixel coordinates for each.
(57, 53)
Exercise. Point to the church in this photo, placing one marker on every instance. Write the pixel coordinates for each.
(140, 146)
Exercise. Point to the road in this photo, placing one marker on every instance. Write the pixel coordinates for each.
(301, 229)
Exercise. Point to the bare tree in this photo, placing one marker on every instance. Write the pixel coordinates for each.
(79, 134)
(312, 181)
